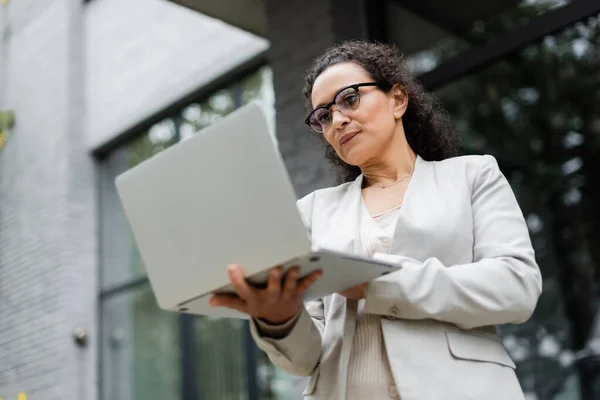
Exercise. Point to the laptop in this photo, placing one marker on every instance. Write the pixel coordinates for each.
(220, 197)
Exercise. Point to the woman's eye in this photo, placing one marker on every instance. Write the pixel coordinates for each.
(351, 99)
(323, 117)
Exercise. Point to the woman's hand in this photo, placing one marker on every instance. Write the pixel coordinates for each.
(355, 293)
(276, 304)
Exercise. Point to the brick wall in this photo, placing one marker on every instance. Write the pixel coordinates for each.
(299, 31)
(47, 211)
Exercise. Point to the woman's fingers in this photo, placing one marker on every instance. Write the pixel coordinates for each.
(308, 282)
(290, 283)
(274, 285)
(229, 301)
(279, 297)
(238, 281)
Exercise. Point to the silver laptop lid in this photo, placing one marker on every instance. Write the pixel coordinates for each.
(222, 196)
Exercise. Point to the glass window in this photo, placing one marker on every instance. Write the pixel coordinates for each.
(200, 115)
(448, 28)
(141, 345)
(274, 383)
(537, 113)
(221, 358)
(257, 86)
(120, 259)
(140, 348)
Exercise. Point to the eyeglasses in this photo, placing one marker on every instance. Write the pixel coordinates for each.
(345, 100)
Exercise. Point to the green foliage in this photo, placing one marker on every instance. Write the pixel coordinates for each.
(538, 113)
(7, 122)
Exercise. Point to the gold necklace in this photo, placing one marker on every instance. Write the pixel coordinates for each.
(392, 184)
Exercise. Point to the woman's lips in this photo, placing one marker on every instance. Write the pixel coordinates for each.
(347, 137)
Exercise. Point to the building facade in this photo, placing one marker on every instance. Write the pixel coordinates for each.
(97, 86)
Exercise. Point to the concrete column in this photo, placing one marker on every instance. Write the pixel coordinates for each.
(299, 31)
(47, 207)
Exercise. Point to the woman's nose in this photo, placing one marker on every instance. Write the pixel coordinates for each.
(338, 119)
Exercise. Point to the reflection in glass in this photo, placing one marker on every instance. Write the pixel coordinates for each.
(197, 116)
(257, 86)
(221, 358)
(537, 113)
(140, 348)
(160, 136)
(450, 28)
(274, 383)
(120, 258)
(141, 358)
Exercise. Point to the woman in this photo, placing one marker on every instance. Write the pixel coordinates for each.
(452, 223)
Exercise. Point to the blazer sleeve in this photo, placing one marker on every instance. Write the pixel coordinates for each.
(501, 286)
(295, 347)
(299, 350)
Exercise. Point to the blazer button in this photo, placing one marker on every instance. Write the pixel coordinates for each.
(394, 311)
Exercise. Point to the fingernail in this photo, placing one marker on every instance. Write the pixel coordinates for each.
(232, 272)
(212, 302)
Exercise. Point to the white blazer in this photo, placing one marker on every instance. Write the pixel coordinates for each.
(467, 265)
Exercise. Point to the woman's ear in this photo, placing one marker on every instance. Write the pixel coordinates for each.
(400, 99)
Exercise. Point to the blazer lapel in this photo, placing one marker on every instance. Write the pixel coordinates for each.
(419, 206)
(355, 200)
(343, 230)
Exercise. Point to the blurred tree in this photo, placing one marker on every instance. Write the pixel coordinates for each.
(159, 137)
(538, 113)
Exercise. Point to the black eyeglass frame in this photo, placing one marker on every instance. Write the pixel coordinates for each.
(327, 106)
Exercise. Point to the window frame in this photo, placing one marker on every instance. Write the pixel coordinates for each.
(186, 323)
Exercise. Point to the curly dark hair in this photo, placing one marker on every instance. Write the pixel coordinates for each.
(428, 127)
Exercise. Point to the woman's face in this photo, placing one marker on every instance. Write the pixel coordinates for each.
(362, 135)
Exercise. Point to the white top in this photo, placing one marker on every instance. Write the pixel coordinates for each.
(369, 373)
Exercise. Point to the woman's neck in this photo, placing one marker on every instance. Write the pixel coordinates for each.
(392, 166)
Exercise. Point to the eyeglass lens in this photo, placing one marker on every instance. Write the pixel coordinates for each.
(345, 101)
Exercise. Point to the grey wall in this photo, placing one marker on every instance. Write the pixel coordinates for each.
(144, 55)
(47, 213)
(300, 31)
